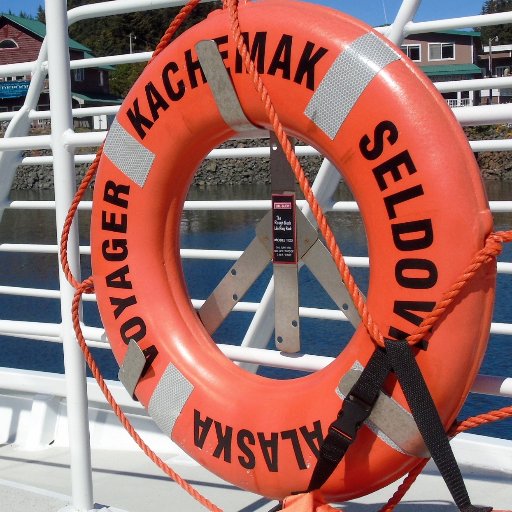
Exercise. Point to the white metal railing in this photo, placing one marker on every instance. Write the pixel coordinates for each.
(63, 138)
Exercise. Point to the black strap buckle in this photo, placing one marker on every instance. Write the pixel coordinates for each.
(356, 408)
(343, 429)
(351, 416)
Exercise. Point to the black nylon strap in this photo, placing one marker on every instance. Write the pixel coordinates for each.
(429, 424)
(356, 408)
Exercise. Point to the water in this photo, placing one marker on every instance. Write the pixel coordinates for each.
(228, 230)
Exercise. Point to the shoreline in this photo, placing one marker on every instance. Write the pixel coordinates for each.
(231, 172)
(493, 166)
(224, 171)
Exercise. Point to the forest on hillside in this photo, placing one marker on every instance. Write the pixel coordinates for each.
(135, 32)
(141, 31)
(500, 34)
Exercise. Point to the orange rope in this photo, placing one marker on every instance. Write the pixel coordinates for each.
(404, 487)
(298, 171)
(66, 229)
(458, 427)
(174, 26)
(162, 44)
(87, 286)
(493, 246)
(481, 419)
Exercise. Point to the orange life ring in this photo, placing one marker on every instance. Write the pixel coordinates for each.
(341, 87)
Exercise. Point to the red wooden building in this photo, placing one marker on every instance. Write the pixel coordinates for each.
(20, 41)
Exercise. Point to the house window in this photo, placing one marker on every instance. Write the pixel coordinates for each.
(413, 51)
(7, 44)
(441, 51)
(79, 75)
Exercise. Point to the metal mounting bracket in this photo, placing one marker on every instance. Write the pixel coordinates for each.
(223, 90)
(388, 419)
(299, 241)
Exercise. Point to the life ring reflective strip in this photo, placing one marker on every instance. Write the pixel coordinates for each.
(410, 168)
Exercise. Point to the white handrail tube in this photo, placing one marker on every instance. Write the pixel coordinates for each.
(62, 123)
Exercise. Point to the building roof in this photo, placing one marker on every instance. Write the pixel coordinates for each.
(97, 98)
(452, 69)
(460, 32)
(455, 32)
(39, 29)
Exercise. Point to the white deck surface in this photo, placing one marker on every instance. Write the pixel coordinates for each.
(127, 480)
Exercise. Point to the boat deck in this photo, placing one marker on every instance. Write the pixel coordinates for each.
(127, 480)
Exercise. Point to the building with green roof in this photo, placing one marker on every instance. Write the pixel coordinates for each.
(20, 41)
(445, 56)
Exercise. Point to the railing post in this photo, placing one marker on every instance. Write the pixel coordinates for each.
(64, 177)
(396, 32)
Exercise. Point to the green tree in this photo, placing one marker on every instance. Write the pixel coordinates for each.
(21, 14)
(41, 16)
(123, 77)
(113, 35)
(502, 32)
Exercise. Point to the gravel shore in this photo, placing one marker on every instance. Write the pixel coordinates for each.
(495, 165)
